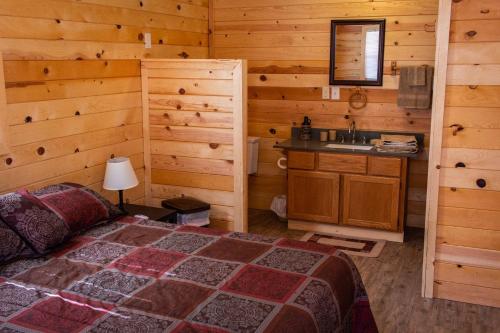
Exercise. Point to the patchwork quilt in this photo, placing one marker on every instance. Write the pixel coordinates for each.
(138, 275)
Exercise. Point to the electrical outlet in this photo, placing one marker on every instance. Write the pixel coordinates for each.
(147, 40)
(325, 92)
(336, 92)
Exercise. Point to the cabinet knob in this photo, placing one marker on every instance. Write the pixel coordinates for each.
(481, 183)
(460, 165)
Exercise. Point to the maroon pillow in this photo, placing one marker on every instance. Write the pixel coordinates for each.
(34, 224)
(80, 207)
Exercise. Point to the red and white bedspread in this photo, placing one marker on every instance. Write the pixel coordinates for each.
(145, 276)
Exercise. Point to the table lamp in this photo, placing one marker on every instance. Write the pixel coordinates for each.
(119, 176)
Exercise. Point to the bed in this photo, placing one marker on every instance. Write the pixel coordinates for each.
(137, 275)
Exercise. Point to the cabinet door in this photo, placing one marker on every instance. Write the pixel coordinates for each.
(313, 196)
(371, 202)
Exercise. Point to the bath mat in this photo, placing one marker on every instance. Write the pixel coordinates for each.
(354, 246)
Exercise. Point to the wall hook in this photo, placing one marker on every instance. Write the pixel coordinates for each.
(456, 128)
(394, 68)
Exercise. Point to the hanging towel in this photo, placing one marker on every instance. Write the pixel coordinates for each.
(417, 75)
(415, 87)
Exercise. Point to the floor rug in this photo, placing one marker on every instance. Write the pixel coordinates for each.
(354, 246)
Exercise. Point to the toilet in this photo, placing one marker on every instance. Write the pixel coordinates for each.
(253, 154)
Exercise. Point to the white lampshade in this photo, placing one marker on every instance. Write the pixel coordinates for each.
(120, 175)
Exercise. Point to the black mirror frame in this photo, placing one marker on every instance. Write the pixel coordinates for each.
(380, 74)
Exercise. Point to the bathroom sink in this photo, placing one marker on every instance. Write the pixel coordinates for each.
(347, 146)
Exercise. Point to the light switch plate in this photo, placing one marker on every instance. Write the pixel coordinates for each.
(325, 93)
(147, 40)
(335, 92)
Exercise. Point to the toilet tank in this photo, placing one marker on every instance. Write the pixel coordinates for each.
(253, 154)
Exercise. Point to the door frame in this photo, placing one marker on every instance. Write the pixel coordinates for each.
(436, 139)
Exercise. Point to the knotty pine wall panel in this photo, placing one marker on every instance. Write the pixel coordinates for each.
(72, 88)
(287, 44)
(468, 231)
(63, 126)
(101, 29)
(195, 125)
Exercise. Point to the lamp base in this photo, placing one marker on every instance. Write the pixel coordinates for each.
(121, 206)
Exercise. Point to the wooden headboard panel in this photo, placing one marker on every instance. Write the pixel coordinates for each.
(195, 117)
(65, 118)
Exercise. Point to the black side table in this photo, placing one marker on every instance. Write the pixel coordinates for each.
(157, 214)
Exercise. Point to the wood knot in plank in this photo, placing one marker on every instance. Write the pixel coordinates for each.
(471, 33)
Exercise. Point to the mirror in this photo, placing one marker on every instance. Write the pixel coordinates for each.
(357, 52)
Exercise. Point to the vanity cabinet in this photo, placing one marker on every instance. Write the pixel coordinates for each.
(347, 189)
(313, 196)
(371, 202)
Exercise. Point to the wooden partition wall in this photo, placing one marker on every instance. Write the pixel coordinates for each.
(195, 135)
(64, 119)
(287, 44)
(4, 128)
(462, 259)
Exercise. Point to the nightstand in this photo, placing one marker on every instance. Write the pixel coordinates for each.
(157, 214)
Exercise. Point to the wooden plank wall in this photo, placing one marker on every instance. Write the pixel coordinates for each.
(195, 129)
(70, 68)
(287, 43)
(4, 146)
(66, 118)
(468, 231)
(102, 29)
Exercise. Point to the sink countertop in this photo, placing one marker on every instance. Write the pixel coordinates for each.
(316, 145)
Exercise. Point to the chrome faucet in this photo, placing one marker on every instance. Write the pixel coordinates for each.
(352, 127)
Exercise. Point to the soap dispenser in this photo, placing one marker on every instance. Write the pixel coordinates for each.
(305, 129)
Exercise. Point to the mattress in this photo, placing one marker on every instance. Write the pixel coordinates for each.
(136, 275)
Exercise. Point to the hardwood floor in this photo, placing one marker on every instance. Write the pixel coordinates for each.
(393, 282)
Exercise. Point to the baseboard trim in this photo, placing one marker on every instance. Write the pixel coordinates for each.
(346, 231)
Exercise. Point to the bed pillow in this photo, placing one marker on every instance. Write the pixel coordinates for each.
(33, 223)
(80, 207)
(12, 246)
